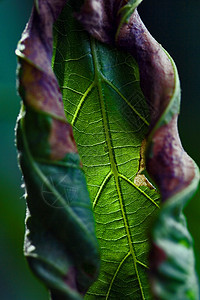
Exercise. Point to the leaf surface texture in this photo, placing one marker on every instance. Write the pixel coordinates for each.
(109, 115)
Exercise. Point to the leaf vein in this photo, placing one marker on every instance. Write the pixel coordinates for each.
(116, 272)
(114, 169)
(89, 89)
(141, 191)
(124, 98)
(101, 189)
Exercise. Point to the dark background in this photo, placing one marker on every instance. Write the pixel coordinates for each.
(175, 24)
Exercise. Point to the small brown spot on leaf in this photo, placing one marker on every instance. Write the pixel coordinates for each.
(140, 179)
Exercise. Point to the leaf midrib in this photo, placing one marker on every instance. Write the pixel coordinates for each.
(114, 170)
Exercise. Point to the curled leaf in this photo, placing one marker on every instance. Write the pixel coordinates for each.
(60, 243)
(175, 173)
(113, 127)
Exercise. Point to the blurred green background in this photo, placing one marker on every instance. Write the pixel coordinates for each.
(175, 24)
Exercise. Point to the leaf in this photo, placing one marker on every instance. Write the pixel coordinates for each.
(110, 118)
(177, 176)
(60, 242)
(103, 101)
(109, 115)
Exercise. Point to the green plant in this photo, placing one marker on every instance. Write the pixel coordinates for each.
(121, 94)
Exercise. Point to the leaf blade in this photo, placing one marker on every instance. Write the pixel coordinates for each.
(90, 107)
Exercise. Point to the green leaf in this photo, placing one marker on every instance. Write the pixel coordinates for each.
(110, 117)
(114, 126)
(60, 241)
(104, 103)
